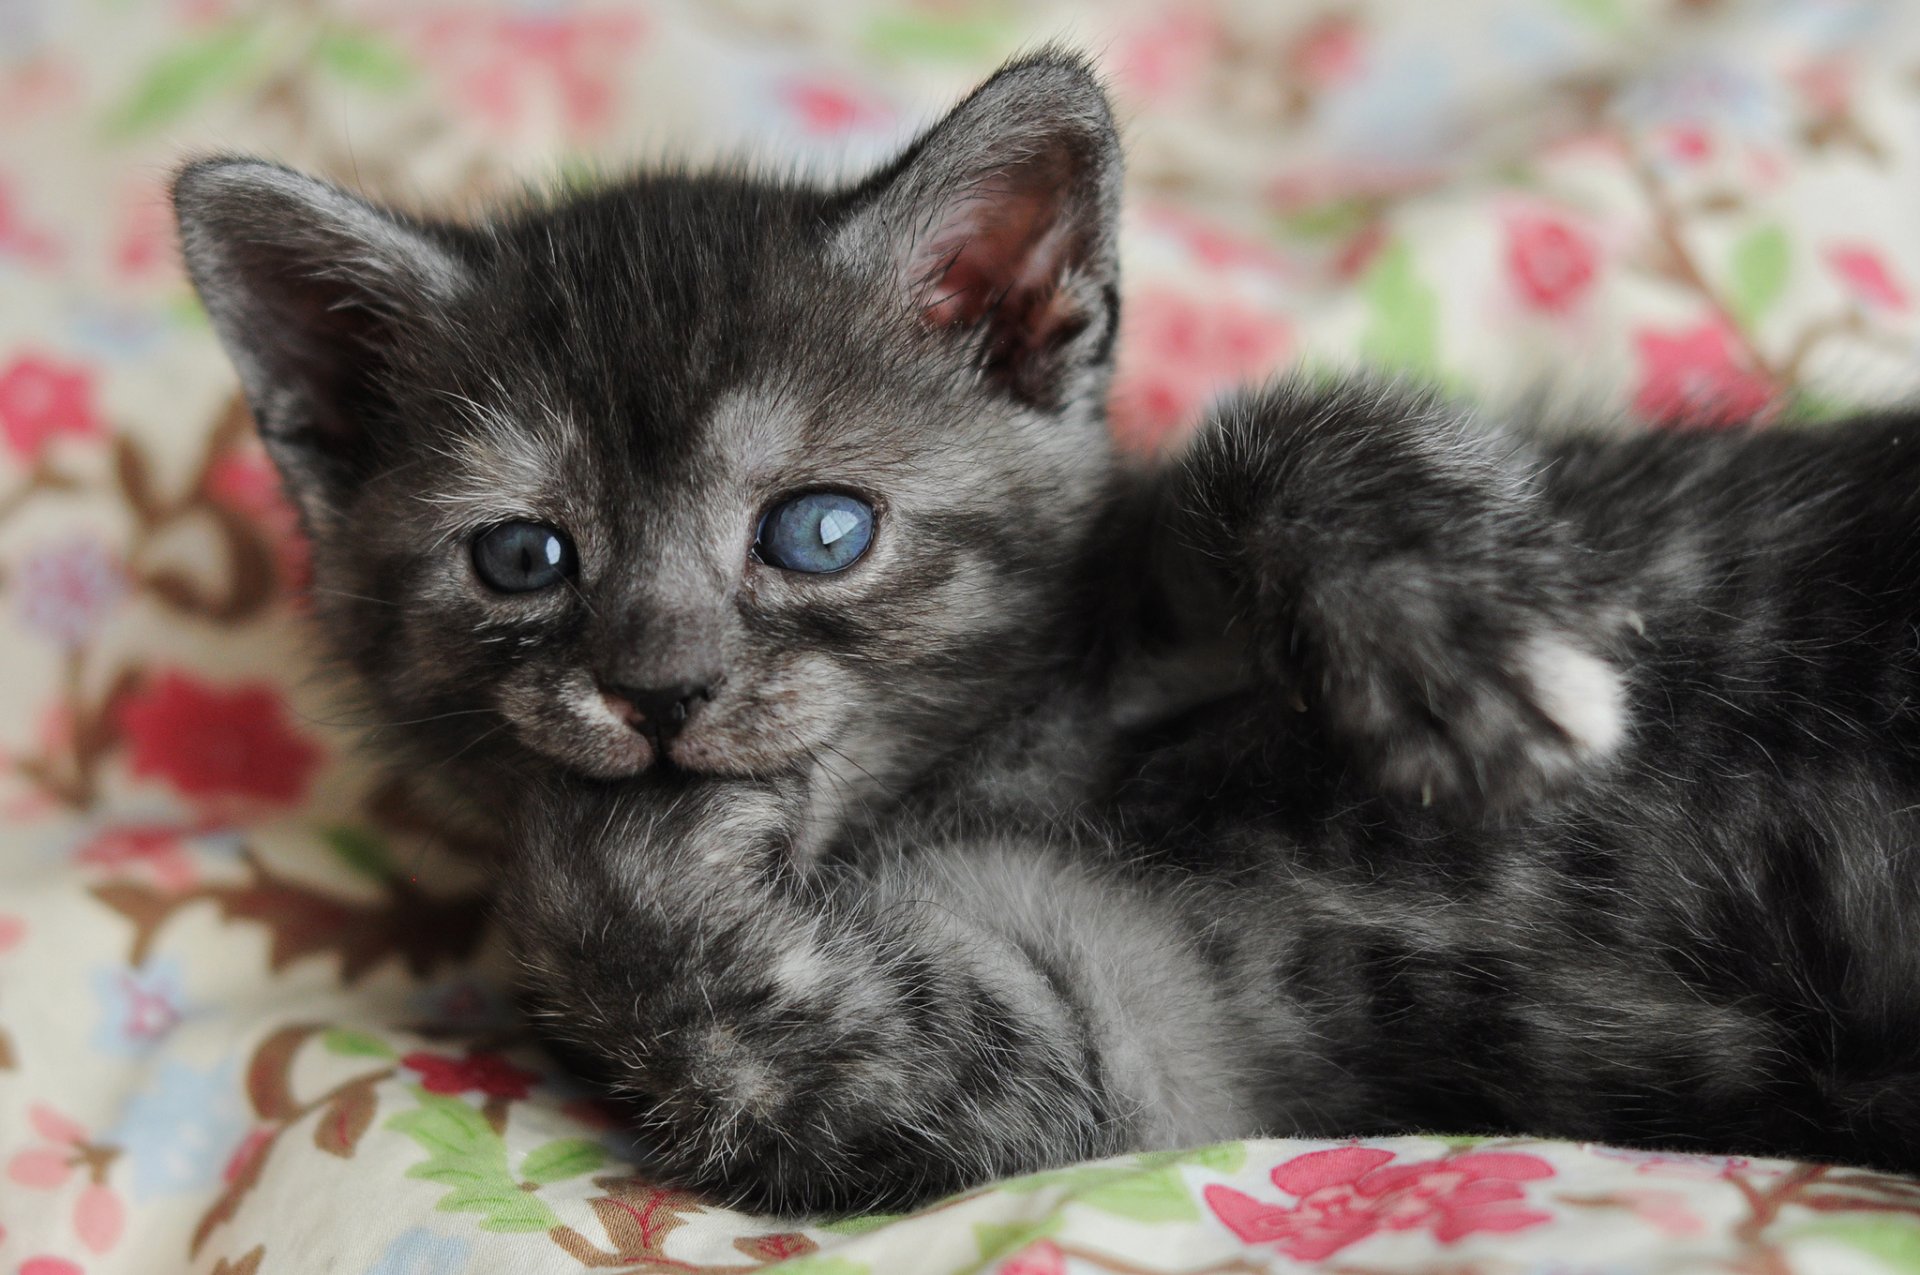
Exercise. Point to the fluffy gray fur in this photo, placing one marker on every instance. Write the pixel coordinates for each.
(1364, 768)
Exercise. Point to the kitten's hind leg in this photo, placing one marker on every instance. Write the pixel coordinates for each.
(847, 1040)
(1401, 576)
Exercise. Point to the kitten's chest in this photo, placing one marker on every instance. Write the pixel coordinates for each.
(1067, 757)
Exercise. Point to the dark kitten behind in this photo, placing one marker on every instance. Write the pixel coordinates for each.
(1362, 769)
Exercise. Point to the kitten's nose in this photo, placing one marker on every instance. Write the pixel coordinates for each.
(658, 711)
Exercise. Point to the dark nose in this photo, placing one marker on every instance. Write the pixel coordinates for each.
(660, 711)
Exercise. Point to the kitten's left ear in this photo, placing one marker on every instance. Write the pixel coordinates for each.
(999, 223)
(308, 287)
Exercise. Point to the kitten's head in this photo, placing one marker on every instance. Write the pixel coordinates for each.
(729, 471)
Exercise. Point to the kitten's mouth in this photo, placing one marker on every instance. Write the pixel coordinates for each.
(597, 731)
(663, 722)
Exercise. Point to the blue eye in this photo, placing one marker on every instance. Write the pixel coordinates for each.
(520, 557)
(819, 532)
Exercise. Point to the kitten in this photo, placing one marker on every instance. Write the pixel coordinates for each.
(906, 793)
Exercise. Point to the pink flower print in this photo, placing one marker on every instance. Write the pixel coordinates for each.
(53, 1126)
(1177, 352)
(826, 109)
(1692, 376)
(1684, 1164)
(217, 744)
(246, 1154)
(48, 1165)
(98, 1214)
(1689, 143)
(19, 239)
(99, 1217)
(204, 12)
(1213, 246)
(1344, 1195)
(489, 1073)
(139, 1007)
(1165, 56)
(247, 483)
(1359, 251)
(67, 591)
(38, 88)
(40, 1168)
(1864, 271)
(1550, 261)
(143, 242)
(1042, 1257)
(157, 849)
(1665, 1211)
(12, 930)
(50, 1266)
(1826, 84)
(506, 64)
(1327, 52)
(41, 400)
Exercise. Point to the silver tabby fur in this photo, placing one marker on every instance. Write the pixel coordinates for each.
(1365, 767)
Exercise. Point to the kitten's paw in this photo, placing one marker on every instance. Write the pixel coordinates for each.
(1402, 567)
(1484, 725)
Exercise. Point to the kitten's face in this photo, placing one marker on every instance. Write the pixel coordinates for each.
(734, 475)
(654, 440)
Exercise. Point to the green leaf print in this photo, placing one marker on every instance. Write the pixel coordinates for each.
(363, 851)
(1402, 332)
(1334, 219)
(1223, 1157)
(562, 1158)
(997, 1239)
(352, 1044)
(179, 79)
(1143, 1195)
(820, 1264)
(982, 38)
(364, 59)
(859, 1225)
(1759, 273)
(465, 1154)
(1890, 1241)
(1150, 1191)
(1609, 15)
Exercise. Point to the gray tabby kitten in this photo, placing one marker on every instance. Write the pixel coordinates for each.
(906, 794)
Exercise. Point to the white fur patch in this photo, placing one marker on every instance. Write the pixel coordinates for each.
(800, 968)
(1580, 693)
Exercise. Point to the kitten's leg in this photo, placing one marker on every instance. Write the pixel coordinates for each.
(1403, 578)
(865, 1041)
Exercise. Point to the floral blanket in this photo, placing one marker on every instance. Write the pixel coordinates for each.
(251, 1017)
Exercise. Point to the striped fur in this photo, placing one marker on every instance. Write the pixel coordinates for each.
(1369, 766)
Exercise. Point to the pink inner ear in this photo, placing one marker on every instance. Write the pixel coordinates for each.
(995, 249)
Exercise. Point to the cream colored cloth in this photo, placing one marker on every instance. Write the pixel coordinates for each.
(249, 1019)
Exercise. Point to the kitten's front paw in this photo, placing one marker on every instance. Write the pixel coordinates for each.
(1400, 568)
(1474, 706)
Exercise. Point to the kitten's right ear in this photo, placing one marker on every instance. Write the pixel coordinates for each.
(306, 286)
(998, 224)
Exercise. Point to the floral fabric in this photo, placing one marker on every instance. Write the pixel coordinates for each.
(251, 1017)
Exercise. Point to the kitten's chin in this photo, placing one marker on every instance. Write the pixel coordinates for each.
(710, 758)
(589, 749)
(621, 757)
(606, 759)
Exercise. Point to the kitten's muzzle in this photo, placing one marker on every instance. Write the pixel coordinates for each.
(658, 712)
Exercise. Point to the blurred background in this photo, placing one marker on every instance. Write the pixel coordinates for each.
(1659, 207)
